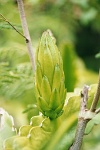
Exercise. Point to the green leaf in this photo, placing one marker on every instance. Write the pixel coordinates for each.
(63, 130)
(36, 120)
(97, 55)
(42, 105)
(24, 130)
(38, 137)
(89, 127)
(8, 144)
(20, 143)
(91, 93)
(17, 143)
(48, 67)
(38, 76)
(54, 100)
(72, 105)
(69, 65)
(45, 89)
(47, 125)
(6, 126)
(53, 48)
(56, 77)
(92, 123)
(32, 136)
(66, 140)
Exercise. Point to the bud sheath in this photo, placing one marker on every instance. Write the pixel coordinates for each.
(49, 77)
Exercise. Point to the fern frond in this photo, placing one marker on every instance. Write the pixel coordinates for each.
(5, 25)
(13, 56)
(16, 75)
(15, 81)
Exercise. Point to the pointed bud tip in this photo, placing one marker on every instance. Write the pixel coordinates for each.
(48, 33)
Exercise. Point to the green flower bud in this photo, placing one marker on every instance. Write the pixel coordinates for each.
(49, 77)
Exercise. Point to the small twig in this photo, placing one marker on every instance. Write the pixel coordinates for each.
(81, 121)
(84, 96)
(26, 32)
(85, 115)
(97, 111)
(11, 25)
(96, 97)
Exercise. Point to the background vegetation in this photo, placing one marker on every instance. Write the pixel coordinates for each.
(76, 26)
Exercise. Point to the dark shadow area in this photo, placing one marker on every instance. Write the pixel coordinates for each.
(88, 45)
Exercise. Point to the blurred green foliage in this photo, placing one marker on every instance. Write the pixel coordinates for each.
(76, 26)
(69, 65)
(70, 21)
(45, 134)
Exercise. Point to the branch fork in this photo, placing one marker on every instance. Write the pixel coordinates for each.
(85, 115)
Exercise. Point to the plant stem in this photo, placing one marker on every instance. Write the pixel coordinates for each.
(26, 32)
(96, 97)
(79, 134)
(81, 121)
